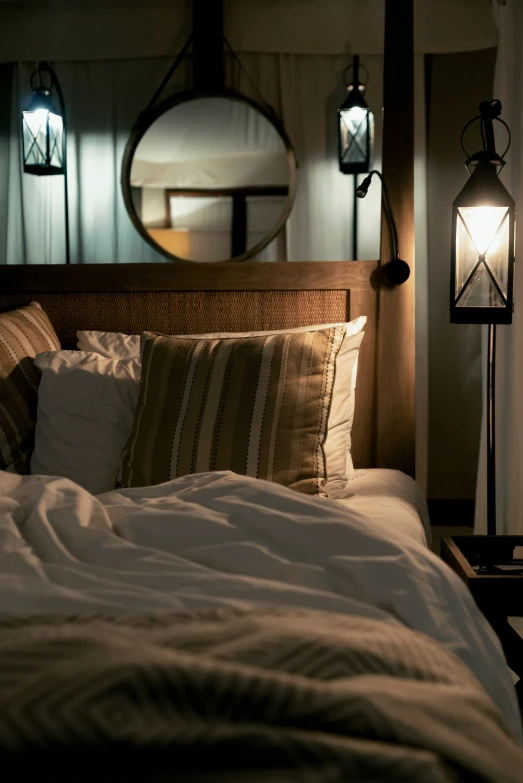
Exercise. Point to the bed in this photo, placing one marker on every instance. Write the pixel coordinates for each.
(281, 634)
(227, 627)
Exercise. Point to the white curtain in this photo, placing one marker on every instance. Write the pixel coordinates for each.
(509, 359)
(103, 99)
(114, 29)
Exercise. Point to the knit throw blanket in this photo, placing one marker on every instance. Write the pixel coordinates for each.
(263, 695)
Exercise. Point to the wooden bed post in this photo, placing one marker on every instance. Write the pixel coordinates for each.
(207, 45)
(395, 443)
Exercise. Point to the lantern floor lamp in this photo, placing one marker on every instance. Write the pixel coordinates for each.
(355, 136)
(44, 134)
(482, 262)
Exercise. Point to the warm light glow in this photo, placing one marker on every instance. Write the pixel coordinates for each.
(55, 121)
(353, 118)
(482, 252)
(356, 135)
(42, 138)
(483, 224)
(36, 120)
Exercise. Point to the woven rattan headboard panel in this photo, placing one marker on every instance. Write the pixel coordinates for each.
(180, 299)
(184, 312)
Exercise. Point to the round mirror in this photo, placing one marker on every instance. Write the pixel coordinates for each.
(209, 177)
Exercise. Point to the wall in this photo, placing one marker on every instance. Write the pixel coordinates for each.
(457, 84)
(111, 29)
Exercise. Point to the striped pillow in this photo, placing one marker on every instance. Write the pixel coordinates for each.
(258, 406)
(23, 333)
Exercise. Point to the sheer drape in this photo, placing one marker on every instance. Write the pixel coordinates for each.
(103, 99)
(509, 361)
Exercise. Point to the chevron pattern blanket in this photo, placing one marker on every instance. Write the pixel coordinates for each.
(236, 695)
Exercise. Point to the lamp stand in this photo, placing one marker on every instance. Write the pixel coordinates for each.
(355, 220)
(491, 387)
(56, 83)
(44, 67)
(66, 208)
(491, 431)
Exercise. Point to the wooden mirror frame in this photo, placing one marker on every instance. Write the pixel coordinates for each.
(142, 125)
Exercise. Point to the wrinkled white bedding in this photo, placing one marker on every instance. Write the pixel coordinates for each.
(393, 501)
(218, 539)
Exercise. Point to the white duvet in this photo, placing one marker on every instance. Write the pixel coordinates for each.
(218, 539)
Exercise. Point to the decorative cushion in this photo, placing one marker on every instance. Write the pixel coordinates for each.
(86, 410)
(341, 413)
(258, 406)
(23, 333)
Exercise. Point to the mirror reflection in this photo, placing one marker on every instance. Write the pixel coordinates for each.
(211, 179)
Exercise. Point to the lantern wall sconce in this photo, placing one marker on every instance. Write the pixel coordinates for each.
(355, 126)
(44, 133)
(482, 261)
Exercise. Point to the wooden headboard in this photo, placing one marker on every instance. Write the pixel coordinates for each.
(195, 298)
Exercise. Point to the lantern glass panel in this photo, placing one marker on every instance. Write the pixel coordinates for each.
(38, 125)
(56, 127)
(482, 292)
(355, 140)
(482, 248)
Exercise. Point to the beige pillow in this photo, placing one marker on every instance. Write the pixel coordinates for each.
(23, 333)
(256, 405)
(341, 412)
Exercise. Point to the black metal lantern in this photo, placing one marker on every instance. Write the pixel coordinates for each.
(43, 129)
(356, 127)
(482, 266)
(44, 134)
(483, 221)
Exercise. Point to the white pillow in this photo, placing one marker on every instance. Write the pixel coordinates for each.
(86, 407)
(112, 345)
(337, 444)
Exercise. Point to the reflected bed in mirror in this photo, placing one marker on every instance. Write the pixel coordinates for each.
(209, 177)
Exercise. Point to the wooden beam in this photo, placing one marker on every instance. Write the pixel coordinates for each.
(227, 276)
(239, 225)
(208, 65)
(365, 302)
(396, 326)
(254, 190)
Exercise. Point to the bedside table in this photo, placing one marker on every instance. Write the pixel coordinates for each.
(497, 595)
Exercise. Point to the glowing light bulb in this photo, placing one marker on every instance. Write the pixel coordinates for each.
(353, 118)
(36, 120)
(483, 224)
